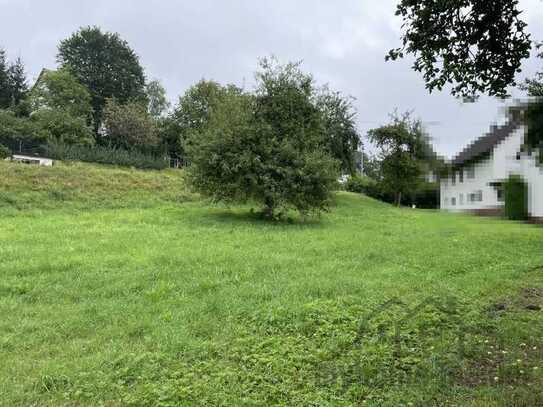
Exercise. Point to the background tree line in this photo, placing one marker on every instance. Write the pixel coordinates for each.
(87, 102)
(281, 145)
(474, 46)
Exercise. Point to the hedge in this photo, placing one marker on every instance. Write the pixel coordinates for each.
(516, 198)
(104, 155)
(426, 196)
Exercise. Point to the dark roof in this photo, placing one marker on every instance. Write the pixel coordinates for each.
(485, 144)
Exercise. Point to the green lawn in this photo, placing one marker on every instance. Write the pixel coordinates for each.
(119, 287)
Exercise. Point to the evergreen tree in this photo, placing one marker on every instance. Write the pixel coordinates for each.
(5, 92)
(17, 82)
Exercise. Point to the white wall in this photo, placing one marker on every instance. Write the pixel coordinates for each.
(505, 160)
(462, 190)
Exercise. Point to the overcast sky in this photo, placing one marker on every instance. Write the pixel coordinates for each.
(341, 42)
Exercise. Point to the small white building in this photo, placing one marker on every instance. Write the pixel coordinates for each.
(26, 159)
(479, 171)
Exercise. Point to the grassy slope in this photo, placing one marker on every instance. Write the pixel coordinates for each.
(84, 186)
(147, 299)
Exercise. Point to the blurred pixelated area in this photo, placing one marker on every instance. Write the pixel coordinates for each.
(499, 173)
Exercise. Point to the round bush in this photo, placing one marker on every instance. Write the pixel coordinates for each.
(4, 152)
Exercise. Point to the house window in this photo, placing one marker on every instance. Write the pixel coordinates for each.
(479, 195)
(461, 200)
(453, 201)
(453, 179)
(471, 172)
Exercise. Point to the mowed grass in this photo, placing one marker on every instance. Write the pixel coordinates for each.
(152, 297)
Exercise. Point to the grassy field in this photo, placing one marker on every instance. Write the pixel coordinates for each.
(119, 287)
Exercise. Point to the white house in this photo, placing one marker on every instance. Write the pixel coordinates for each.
(479, 171)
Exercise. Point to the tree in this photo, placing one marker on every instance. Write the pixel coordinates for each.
(475, 45)
(12, 127)
(5, 86)
(17, 82)
(532, 112)
(18, 132)
(170, 137)
(268, 148)
(43, 126)
(61, 109)
(342, 136)
(534, 86)
(13, 85)
(106, 65)
(372, 166)
(129, 126)
(197, 104)
(158, 103)
(403, 149)
(55, 125)
(192, 114)
(5, 152)
(532, 116)
(60, 90)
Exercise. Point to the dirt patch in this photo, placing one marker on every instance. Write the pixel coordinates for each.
(492, 364)
(532, 293)
(529, 299)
